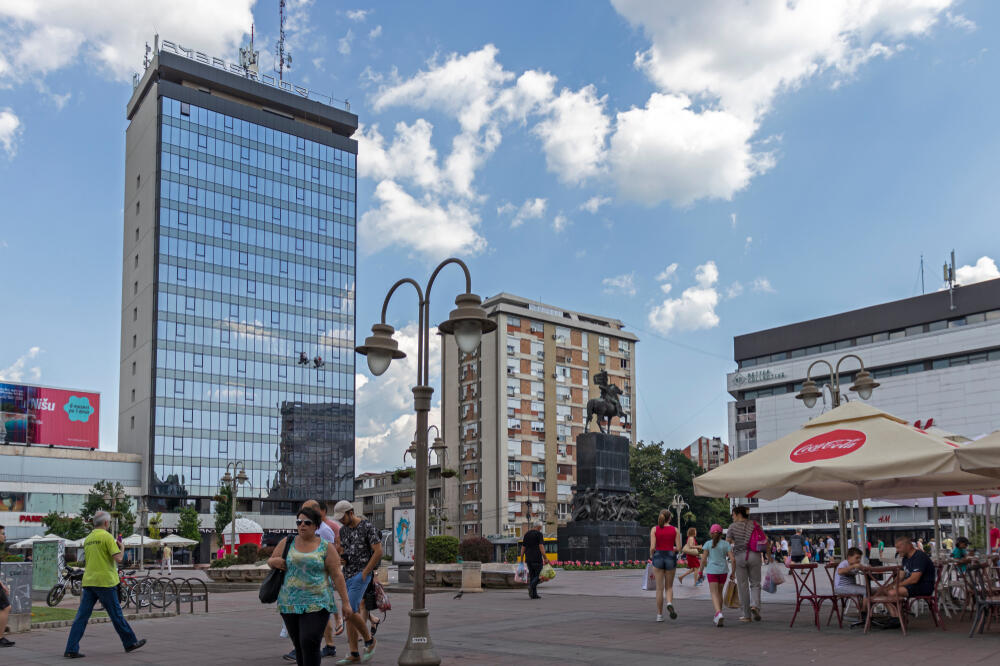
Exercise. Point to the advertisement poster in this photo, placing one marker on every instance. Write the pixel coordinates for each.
(49, 417)
(402, 534)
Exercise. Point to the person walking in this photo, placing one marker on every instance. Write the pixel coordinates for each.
(533, 555)
(664, 542)
(746, 565)
(715, 564)
(100, 582)
(797, 546)
(830, 545)
(692, 555)
(306, 597)
(165, 557)
(362, 545)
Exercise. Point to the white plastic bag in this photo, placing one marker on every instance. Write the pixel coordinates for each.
(649, 580)
(521, 575)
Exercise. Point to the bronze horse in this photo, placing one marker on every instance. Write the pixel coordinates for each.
(605, 409)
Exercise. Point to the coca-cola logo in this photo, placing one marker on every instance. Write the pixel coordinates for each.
(828, 445)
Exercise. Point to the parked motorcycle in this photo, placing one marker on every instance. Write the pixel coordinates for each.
(71, 578)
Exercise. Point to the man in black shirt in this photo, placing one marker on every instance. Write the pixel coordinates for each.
(796, 546)
(533, 552)
(918, 576)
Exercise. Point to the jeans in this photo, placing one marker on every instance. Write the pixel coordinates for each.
(534, 577)
(356, 587)
(747, 571)
(108, 596)
(306, 632)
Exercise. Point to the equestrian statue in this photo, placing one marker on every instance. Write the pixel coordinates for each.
(607, 406)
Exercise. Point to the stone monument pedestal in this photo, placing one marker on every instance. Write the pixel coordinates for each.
(603, 528)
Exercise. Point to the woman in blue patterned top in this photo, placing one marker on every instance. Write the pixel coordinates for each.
(306, 598)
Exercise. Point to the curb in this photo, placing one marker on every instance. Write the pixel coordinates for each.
(55, 624)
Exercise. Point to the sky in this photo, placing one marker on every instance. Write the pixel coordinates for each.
(696, 170)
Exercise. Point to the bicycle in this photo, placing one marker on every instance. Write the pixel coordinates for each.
(69, 578)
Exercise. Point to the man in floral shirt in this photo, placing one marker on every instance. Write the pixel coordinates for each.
(362, 552)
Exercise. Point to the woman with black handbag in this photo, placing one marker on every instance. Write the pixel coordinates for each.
(306, 597)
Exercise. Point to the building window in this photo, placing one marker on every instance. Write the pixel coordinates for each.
(136, 207)
(135, 288)
(137, 234)
(185, 109)
(133, 368)
(138, 179)
(137, 261)
(133, 340)
(131, 421)
(624, 363)
(135, 314)
(198, 360)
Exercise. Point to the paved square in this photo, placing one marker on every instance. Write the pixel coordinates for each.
(582, 618)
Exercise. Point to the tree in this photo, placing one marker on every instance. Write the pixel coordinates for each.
(223, 508)
(189, 524)
(64, 526)
(95, 502)
(658, 474)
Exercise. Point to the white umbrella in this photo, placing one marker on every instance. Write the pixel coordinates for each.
(137, 540)
(949, 499)
(27, 543)
(177, 540)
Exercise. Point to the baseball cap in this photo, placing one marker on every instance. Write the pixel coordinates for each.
(340, 508)
(715, 528)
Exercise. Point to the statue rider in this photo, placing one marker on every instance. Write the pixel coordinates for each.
(609, 392)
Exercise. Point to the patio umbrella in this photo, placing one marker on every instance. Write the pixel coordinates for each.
(851, 452)
(982, 456)
(176, 540)
(137, 540)
(26, 544)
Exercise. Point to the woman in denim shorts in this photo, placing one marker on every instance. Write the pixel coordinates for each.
(664, 544)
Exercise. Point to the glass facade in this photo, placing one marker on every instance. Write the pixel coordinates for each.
(255, 310)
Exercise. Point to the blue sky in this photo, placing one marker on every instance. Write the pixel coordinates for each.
(698, 170)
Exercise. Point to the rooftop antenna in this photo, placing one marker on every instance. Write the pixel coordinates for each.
(922, 289)
(248, 57)
(949, 277)
(145, 58)
(284, 59)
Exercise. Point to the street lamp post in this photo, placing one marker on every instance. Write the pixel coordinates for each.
(678, 505)
(810, 393)
(439, 451)
(143, 518)
(467, 322)
(113, 498)
(234, 481)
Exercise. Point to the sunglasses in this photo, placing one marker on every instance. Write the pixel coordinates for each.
(304, 522)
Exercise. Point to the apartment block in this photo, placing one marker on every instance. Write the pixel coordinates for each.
(377, 494)
(707, 452)
(511, 411)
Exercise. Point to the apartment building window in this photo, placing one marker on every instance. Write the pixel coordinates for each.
(513, 387)
(514, 321)
(562, 335)
(562, 373)
(538, 390)
(538, 407)
(603, 343)
(564, 413)
(624, 363)
(513, 448)
(514, 486)
(564, 489)
(537, 426)
(538, 349)
(513, 424)
(511, 349)
(602, 360)
(538, 469)
(537, 369)
(563, 393)
(513, 467)
(563, 433)
(538, 486)
(511, 412)
(538, 449)
(512, 366)
(562, 510)
(537, 326)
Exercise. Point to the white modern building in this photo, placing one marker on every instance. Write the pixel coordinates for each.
(936, 356)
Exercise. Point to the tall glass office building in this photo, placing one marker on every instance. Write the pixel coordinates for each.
(238, 288)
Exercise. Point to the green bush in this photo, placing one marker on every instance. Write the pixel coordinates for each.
(247, 553)
(476, 549)
(510, 555)
(10, 557)
(442, 549)
(227, 561)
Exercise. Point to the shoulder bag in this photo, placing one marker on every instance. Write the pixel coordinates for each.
(271, 586)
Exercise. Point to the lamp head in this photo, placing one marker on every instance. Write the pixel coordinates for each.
(809, 394)
(242, 477)
(439, 449)
(227, 478)
(864, 384)
(467, 322)
(380, 348)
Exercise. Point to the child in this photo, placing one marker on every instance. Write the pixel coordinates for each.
(715, 564)
(690, 554)
(846, 570)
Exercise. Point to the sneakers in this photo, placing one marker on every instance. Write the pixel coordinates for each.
(352, 659)
(369, 651)
(5, 642)
(718, 619)
(673, 613)
(135, 646)
(290, 656)
(329, 651)
(659, 617)
(755, 613)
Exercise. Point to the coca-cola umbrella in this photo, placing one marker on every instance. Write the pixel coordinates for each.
(852, 452)
(982, 456)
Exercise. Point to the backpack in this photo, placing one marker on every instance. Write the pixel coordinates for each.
(381, 597)
(757, 543)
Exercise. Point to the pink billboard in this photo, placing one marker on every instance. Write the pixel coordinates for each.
(49, 417)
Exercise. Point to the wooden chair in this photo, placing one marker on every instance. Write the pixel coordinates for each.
(804, 576)
(986, 598)
(874, 575)
(840, 601)
(932, 600)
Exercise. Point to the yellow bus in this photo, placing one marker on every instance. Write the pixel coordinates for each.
(551, 549)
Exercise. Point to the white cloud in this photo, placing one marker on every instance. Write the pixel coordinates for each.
(748, 243)
(21, 370)
(984, 269)
(358, 14)
(411, 156)
(668, 272)
(623, 284)
(762, 285)
(669, 151)
(43, 36)
(386, 422)
(734, 290)
(344, 43)
(531, 209)
(732, 219)
(560, 222)
(375, 32)
(732, 58)
(695, 309)
(593, 204)
(10, 131)
(430, 227)
(573, 134)
(960, 21)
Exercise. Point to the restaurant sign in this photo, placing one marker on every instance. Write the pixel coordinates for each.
(756, 376)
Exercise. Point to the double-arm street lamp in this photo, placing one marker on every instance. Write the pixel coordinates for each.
(810, 393)
(678, 505)
(438, 451)
(113, 498)
(467, 322)
(234, 481)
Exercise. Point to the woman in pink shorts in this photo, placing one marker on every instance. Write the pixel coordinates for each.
(715, 564)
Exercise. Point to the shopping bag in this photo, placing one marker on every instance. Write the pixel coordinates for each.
(548, 573)
(521, 575)
(649, 580)
(774, 571)
(731, 596)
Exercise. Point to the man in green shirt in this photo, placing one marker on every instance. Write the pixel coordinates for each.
(100, 578)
